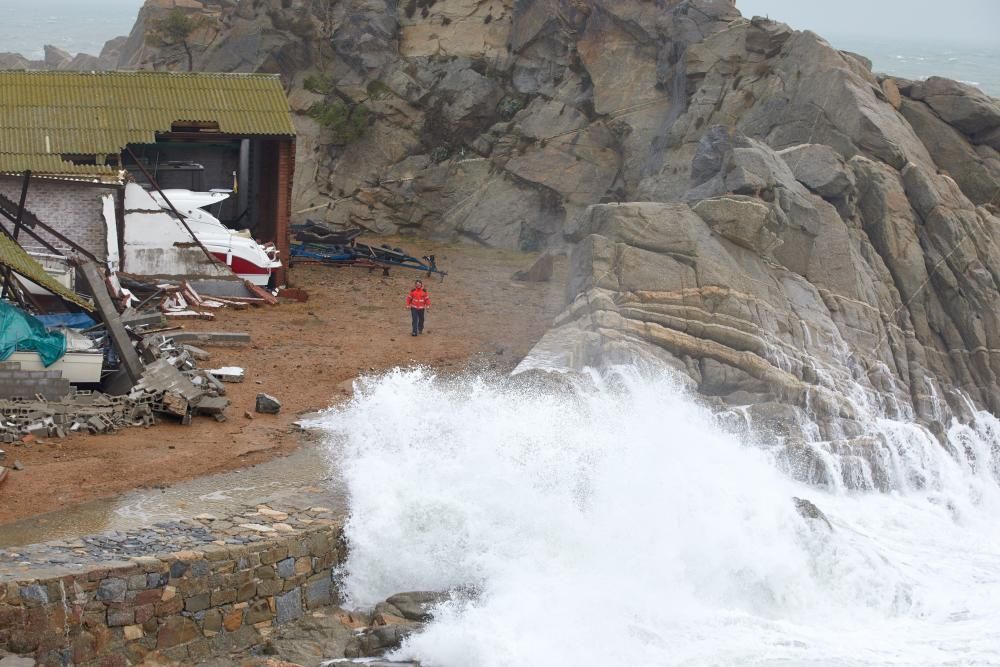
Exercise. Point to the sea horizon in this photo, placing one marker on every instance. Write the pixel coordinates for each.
(83, 28)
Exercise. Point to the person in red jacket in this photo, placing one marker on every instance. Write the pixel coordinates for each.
(418, 301)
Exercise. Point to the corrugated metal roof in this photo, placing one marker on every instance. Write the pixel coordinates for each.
(12, 255)
(47, 115)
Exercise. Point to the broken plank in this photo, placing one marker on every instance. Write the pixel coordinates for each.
(109, 315)
(257, 291)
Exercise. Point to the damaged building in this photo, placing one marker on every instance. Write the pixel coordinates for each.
(150, 173)
(127, 198)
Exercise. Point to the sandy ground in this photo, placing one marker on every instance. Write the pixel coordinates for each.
(305, 354)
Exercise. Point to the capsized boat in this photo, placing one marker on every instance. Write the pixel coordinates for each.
(248, 259)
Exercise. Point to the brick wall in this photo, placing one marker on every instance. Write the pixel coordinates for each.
(185, 606)
(73, 208)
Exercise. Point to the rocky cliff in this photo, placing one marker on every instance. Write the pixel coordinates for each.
(759, 210)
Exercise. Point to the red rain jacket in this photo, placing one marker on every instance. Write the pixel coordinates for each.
(418, 298)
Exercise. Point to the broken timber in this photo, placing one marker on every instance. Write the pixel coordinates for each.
(109, 315)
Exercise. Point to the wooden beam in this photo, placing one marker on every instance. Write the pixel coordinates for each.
(20, 206)
(105, 308)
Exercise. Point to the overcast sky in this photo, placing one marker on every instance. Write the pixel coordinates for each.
(953, 21)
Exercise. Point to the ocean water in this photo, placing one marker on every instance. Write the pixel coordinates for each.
(73, 25)
(975, 64)
(612, 522)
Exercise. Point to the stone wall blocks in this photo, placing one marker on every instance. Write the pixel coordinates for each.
(320, 542)
(286, 568)
(215, 554)
(298, 547)
(170, 607)
(270, 586)
(148, 596)
(193, 586)
(258, 611)
(319, 592)
(157, 579)
(324, 561)
(223, 567)
(144, 612)
(176, 631)
(34, 595)
(212, 621)
(168, 593)
(223, 596)
(200, 568)
(232, 621)
(303, 565)
(178, 569)
(246, 591)
(111, 590)
(198, 602)
(150, 625)
(199, 650)
(181, 605)
(120, 614)
(123, 570)
(273, 555)
(93, 619)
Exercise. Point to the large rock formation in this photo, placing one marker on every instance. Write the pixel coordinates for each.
(755, 208)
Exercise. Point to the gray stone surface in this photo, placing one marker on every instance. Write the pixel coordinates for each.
(112, 590)
(289, 606)
(267, 404)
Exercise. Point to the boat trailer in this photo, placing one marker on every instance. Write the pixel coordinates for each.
(320, 244)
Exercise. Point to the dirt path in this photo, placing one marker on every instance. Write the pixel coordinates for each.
(302, 353)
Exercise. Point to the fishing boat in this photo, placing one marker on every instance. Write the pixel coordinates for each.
(247, 258)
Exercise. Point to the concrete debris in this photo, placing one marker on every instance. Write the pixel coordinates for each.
(177, 386)
(18, 383)
(228, 373)
(18, 465)
(267, 404)
(82, 412)
(197, 352)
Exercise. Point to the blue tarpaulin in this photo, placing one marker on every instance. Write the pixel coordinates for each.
(71, 320)
(19, 331)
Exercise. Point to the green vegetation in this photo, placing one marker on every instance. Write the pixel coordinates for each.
(347, 122)
(318, 83)
(508, 107)
(175, 29)
(440, 154)
(378, 90)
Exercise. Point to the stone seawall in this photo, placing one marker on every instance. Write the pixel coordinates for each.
(186, 605)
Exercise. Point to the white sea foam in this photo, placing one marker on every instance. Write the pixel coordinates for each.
(616, 525)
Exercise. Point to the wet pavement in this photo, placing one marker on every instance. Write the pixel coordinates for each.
(305, 472)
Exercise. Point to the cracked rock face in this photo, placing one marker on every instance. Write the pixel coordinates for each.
(745, 203)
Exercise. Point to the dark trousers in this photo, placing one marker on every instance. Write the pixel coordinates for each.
(418, 320)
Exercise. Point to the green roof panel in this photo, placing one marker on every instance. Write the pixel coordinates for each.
(47, 115)
(14, 257)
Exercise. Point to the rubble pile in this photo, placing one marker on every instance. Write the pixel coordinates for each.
(175, 383)
(79, 412)
(171, 384)
(181, 300)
